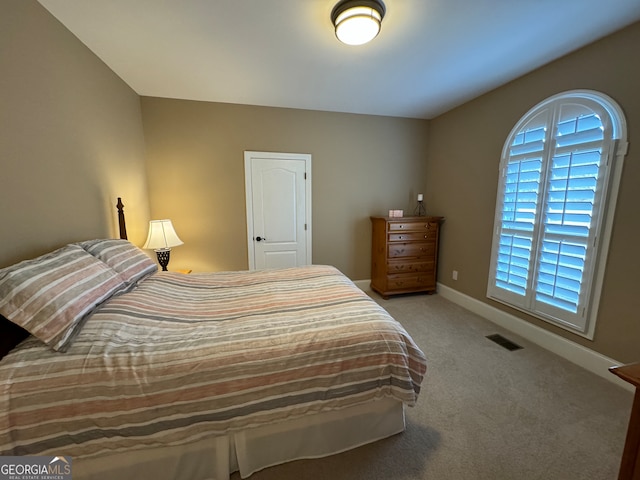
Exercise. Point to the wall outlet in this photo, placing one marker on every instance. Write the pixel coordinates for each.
(454, 275)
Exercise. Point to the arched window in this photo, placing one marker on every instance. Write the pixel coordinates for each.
(559, 176)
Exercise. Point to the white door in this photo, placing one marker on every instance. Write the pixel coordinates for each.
(278, 195)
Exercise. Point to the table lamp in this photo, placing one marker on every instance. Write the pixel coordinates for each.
(162, 236)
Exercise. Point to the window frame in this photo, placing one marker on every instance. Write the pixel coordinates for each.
(615, 148)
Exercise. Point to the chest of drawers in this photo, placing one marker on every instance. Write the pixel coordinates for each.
(404, 254)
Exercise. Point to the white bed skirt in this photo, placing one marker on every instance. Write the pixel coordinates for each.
(313, 436)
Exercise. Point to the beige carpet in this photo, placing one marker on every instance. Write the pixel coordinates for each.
(486, 412)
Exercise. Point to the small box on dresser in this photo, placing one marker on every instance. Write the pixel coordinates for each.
(404, 254)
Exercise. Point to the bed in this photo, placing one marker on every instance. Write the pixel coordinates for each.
(137, 373)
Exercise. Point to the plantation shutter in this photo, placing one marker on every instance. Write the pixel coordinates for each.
(522, 178)
(575, 186)
(554, 178)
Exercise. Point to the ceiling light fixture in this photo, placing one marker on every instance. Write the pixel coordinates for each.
(357, 21)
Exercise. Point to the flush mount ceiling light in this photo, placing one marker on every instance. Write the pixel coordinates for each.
(357, 21)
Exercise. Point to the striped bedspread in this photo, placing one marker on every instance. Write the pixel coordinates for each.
(183, 357)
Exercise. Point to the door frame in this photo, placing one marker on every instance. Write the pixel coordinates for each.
(249, 156)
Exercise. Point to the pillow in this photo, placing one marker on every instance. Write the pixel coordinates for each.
(124, 257)
(51, 296)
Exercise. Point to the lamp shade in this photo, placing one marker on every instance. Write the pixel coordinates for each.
(357, 21)
(162, 235)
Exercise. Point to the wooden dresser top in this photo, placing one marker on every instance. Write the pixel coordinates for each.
(629, 373)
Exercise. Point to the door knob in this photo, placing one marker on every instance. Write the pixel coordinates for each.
(258, 239)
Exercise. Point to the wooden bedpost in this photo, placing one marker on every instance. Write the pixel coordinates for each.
(121, 220)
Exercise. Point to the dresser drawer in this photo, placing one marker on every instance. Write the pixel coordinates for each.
(413, 267)
(412, 226)
(427, 235)
(410, 250)
(404, 282)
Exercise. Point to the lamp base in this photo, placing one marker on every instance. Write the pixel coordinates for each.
(420, 210)
(163, 258)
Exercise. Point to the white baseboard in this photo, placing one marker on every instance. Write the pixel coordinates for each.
(363, 285)
(574, 352)
(582, 356)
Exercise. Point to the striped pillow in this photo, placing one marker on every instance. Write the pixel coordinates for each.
(124, 257)
(51, 296)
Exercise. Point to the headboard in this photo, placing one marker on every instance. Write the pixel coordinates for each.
(11, 334)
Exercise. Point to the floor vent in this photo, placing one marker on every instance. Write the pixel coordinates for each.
(504, 342)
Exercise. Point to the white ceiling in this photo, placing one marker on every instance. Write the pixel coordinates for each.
(430, 56)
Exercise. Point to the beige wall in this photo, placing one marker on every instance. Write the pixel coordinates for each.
(71, 139)
(462, 174)
(361, 166)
